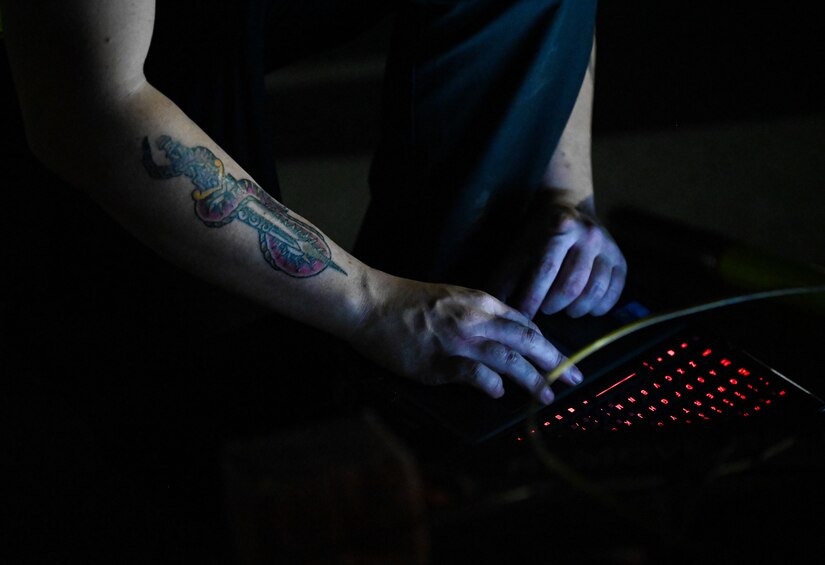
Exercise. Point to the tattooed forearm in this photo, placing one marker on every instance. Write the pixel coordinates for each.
(288, 244)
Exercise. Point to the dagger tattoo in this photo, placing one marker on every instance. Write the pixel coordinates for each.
(288, 244)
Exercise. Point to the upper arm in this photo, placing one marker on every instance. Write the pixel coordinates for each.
(74, 58)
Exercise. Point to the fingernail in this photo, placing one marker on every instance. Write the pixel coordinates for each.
(547, 396)
(576, 376)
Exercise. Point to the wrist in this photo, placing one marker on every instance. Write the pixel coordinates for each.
(369, 288)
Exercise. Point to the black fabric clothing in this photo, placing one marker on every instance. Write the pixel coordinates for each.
(123, 386)
(477, 96)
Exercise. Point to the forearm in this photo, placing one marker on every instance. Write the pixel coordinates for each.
(165, 181)
(569, 175)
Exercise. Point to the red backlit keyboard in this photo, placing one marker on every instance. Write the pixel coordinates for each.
(685, 382)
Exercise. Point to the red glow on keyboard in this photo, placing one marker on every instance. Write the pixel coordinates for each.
(630, 376)
(657, 399)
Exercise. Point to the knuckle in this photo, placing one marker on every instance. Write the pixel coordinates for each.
(454, 342)
(475, 294)
(487, 302)
(536, 383)
(529, 337)
(592, 236)
(557, 358)
(510, 357)
(497, 352)
(599, 288)
(475, 372)
(574, 286)
(463, 325)
(548, 265)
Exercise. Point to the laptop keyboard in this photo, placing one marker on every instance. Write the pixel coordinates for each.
(687, 381)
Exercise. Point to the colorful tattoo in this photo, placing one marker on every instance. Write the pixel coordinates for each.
(288, 244)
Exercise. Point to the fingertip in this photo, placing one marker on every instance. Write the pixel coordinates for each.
(576, 376)
(527, 310)
(547, 396)
(576, 313)
(550, 308)
(492, 385)
(601, 309)
(573, 376)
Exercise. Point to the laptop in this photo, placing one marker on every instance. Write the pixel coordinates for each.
(686, 372)
(675, 374)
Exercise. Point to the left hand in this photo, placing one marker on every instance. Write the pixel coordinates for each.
(563, 259)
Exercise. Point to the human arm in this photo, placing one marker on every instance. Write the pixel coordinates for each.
(566, 259)
(92, 118)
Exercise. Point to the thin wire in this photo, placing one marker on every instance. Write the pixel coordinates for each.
(672, 315)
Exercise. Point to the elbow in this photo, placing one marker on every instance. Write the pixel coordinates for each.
(62, 133)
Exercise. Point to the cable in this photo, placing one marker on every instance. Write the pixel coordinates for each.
(672, 315)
